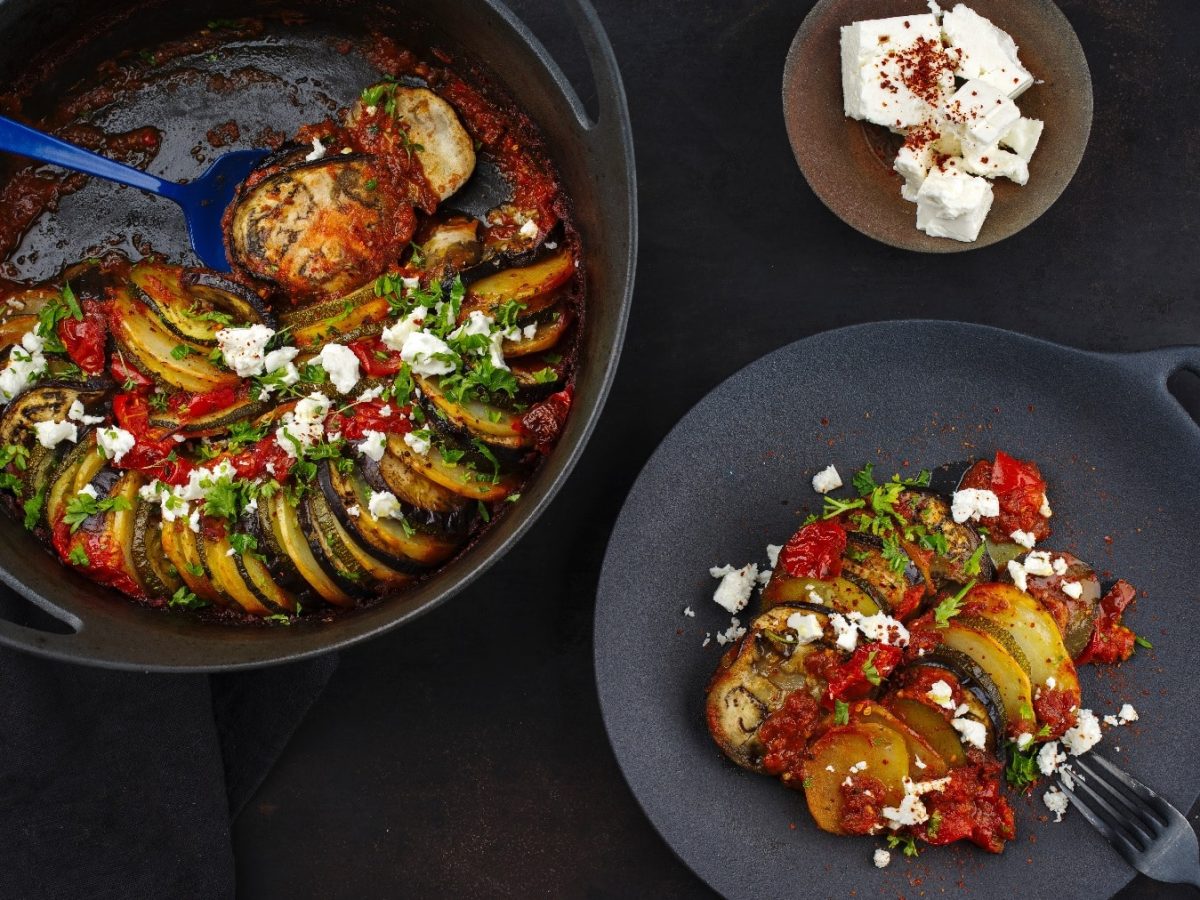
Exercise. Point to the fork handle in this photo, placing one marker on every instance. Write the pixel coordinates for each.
(25, 141)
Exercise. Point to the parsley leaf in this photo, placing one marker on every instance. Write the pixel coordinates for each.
(895, 557)
(1021, 770)
(83, 506)
(951, 606)
(864, 480)
(868, 668)
(841, 712)
(185, 599)
(835, 507)
(68, 296)
(1142, 642)
(972, 566)
(78, 557)
(935, 823)
(906, 842)
(33, 509)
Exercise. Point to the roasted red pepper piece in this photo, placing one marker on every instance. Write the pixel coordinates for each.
(815, 551)
(1111, 641)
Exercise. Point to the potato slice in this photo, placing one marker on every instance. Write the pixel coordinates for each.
(918, 748)
(845, 747)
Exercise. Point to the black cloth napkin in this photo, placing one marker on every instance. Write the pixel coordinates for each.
(124, 785)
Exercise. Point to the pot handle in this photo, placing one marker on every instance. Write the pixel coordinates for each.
(613, 109)
(27, 637)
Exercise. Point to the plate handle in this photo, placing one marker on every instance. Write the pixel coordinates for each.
(1161, 364)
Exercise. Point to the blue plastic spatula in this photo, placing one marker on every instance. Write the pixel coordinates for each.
(203, 200)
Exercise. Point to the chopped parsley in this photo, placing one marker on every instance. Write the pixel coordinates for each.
(950, 606)
(864, 480)
(1142, 642)
(895, 557)
(1021, 770)
(82, 507)
(869, 670)
(78, 557)
(841, 712)
(33, 509)
(185, 599)
(906, 842)
(972, 566)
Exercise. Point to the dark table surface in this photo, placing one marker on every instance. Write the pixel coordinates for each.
(464, 755)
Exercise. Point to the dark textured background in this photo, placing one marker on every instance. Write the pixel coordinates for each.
(464, 755)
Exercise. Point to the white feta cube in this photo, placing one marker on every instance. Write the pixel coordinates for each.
(953, 204)
(827, 480)
(876, 54)
(985, 52)
(1023, 136)
(980, 113)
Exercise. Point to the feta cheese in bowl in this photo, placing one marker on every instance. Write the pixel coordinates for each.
(879, 94)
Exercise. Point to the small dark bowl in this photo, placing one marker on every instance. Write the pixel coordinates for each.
(848, 164)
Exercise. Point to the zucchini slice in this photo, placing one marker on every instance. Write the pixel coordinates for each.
(216, 422)
(282, 520)
(121, 524)
(182, 549)
(491, 424)
(458, 477)
(534, 287)
(155, 571)
(838, 593)
(1004, 671)
(195, 306)
(396, 543)
(1074, 616)
(754, 678)
(842, 748)
(81, 464)
(339, 544)
(147, 344)
(1032, 629)
(342, 320)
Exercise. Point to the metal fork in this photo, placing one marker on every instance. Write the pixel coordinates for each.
(1153, 836)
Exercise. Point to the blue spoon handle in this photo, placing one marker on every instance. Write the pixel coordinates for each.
(26, 141)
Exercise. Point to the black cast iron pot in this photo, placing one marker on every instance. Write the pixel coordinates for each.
(595, 160)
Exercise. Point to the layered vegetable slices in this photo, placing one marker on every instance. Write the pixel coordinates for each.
(909, 654)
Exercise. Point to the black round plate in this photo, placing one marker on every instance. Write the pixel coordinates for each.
(1123, 462)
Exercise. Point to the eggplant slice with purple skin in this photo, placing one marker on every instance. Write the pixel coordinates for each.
(317, 228)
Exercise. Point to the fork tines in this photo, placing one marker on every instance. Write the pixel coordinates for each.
(1129, 814)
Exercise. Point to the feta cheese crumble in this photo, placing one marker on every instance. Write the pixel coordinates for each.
(303, 426)
(25, 363)
(77, 413)
(417, 441)
(115, 442)
(733, 593)
(689, 612)
(341, 365)
(973, 504)
(807, 628)
(318, 151)
(971, 732)
(427, 354)
(942, 694)
(1072, 589)
(373, 444)
(847, 632)
(384, 505)
(50, 434)
(1084, 734)
(827, 480)
(882, 858)
(244, 349)
(1024, 538)
(1056, 801)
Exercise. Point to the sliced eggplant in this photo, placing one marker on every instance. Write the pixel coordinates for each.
(931, 511)
(445, 149)
(491, 424)
(839, 751)
(1004, 671)
(317, 228)
(196, 305)
(864, 564)
(536, 372)
(257, 576)
(147, 344)
(41, 403)
(449, 244)
(838, 594)
(284, 523)
(534, 287)
(754, 678)
(257, 523)
(974, 679)
(464, 476)
(157, 574)
(425, 502)
(395, 543)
